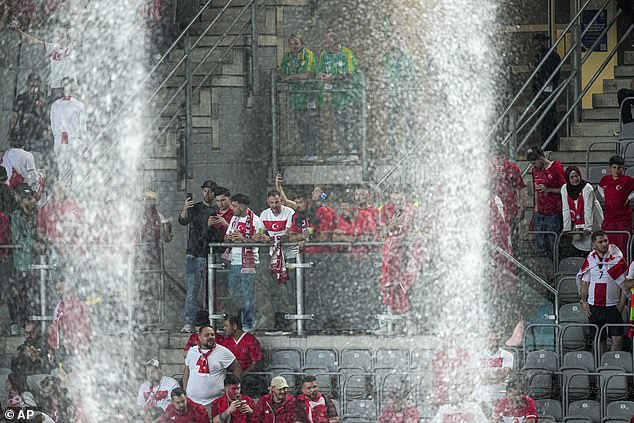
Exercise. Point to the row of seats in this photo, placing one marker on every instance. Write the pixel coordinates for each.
(333, 360)
(586, 411)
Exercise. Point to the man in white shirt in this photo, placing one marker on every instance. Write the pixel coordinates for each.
(155, 392)
(245, 226)
(205, 367)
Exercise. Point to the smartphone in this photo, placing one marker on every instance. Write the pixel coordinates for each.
(190, 196)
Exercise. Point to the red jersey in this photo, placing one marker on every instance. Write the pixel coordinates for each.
(507, 411)
(374, 212)
(5, 234)
(267, 411)
(228, 214)
(246, 349)
(508, 182)
(617, 207)
(195, 413)
(71, 326)
(364, 224)
(549, 203)
(325, 219)
(221, 404)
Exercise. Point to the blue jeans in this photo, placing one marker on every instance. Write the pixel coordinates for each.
(545, 243)
(242, 290)
(193, 274)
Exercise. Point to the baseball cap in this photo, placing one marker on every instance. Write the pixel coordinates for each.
(153, 362)
(150, 195)
(209, 184)
(534, 153)
(279, 382)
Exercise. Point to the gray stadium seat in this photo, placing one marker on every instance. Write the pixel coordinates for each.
(596, 172)
(400, 384)
(572, 313)
(356, 357)
(359, 386)
(542, 359)
(289, 357)
(392, 357)
(420, 358)
(620, 359)
(577, 363)
(614, 386)
(549, 407)
(570, 265)
(622, 409)
(585, 409)
(573, 336)
(545, 418)
(365, 408)
(293, 379)
(568, 290)
(539, 370)
(321, 357)
(579, 359)
(329, 383)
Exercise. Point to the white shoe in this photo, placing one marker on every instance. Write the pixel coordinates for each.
(187, 329)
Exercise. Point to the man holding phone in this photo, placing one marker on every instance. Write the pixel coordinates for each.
(232, 406)
(200, 234)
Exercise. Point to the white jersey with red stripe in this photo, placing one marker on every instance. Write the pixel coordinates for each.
(20, 166)
(605, 276)
(278, 225)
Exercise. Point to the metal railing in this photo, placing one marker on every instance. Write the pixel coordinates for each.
(187, 88)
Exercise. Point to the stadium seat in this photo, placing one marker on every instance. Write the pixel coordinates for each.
(576, 383)
(579, 359)
(364, 408)
(620, 409)
(356, 357)
(613, 385)
(620, 359)
(545, 418)
(538, 371)
(596, 172)
(392, 357)
(278, 370)
(420, 358)
(359, 386)
(293, 379)
(572, 313)
(542, 359)
(321, 357)
(314, 370)
(585, 409)
(329, 383)
(568, 290)
(400, 384)
(289, 357)
(549, 407)
(569, 265)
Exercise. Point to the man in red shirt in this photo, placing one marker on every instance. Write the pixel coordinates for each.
(232, 406)
(515, 406)
(276, 407)
(183, 410)
(312, 407)
(355, 225)
(220, 221)
(617, 189)
(246, 348)
(548, 178)
(362, 199)
(314, 220)
(510, 187)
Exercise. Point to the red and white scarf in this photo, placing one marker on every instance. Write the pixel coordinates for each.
(615, 265)
(577, 212)
(248, 257)
(316, 411)
(153, 397)
(203, 363)
(278, 264)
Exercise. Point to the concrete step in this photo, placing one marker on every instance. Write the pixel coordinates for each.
(628, 58)
(197, 55)
(600, 129)
(580, 156)
(582, 143)
(624, 71)
(604, 100)
(601, 114)
(613, 85)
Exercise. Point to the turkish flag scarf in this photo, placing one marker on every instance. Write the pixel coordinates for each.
(315, 410)
(203, 363)
(278, 264)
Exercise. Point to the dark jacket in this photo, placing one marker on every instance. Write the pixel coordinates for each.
(200, 234)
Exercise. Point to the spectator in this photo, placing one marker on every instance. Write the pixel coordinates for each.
(58, 402)
(276, 407)
(510, 187)
(33, 356)
(616, 189)
(354, 225)
(202, 319)
(362, 199)
(400, 410)
(337, 69)
(61, 54)
(321, 408)
(7, 198)
(232, 406)
(156, 228)
(581, 211)
(155, 391)
(548, 177)
(17, 14)
(626, 109)
(70, 332)
(18, 392)
(515, 406)
(246, 348)
(220, 221)
(244, 227)
(20, 167)
(494, 365)
(68, 123)
(205, 368)
(6, 262)
(60, 220)
(30, 120)
(183, 410)
(277, 221)
(551, 61)
(599, 281)
(298, 64)
(314, 220)
(199, 236)
(22, 292)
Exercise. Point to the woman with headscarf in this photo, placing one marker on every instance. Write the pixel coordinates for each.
(580, 209)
